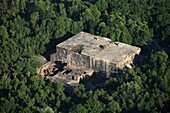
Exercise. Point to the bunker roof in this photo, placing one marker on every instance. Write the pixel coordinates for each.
(100, 47)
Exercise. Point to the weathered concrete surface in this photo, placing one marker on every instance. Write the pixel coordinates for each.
(45, 69)
(73, 77)
(96, 52)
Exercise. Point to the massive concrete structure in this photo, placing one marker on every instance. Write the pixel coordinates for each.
(85, 50)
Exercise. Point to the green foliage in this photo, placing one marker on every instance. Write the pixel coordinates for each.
(78, 109)
(94, 105)
(113, 107)
(3, 32)
(101, 5)
(47, 110)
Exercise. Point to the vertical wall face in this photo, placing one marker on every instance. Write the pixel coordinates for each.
(53, 57)
(61, 54)
(71, 58)
(100, 65)
(112, 67)
(126, 60)
(78, 60)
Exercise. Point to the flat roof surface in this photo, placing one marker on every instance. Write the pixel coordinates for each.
(100, 47)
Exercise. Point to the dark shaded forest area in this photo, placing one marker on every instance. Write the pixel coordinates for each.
(31, 27)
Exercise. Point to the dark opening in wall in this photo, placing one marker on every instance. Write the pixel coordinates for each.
(72, 77)
(95, 38)
(102, 46)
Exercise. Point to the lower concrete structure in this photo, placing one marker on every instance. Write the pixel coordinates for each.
(72, 77)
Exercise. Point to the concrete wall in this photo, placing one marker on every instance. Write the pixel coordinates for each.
(126, 60)
(53, 57)
(99, 65)
(77, 60)
(81, 61)
(61, 54)
(71, 58)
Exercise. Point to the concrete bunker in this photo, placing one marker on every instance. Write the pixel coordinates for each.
(85, 53)
(85, 50)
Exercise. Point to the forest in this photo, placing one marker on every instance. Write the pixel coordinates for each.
(31, 27)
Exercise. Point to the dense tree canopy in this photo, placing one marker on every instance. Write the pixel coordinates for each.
(27, 27)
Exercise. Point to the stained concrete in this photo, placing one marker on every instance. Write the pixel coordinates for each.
(85, 50)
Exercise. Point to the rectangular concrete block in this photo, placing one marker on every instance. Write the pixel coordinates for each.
(95, 52)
